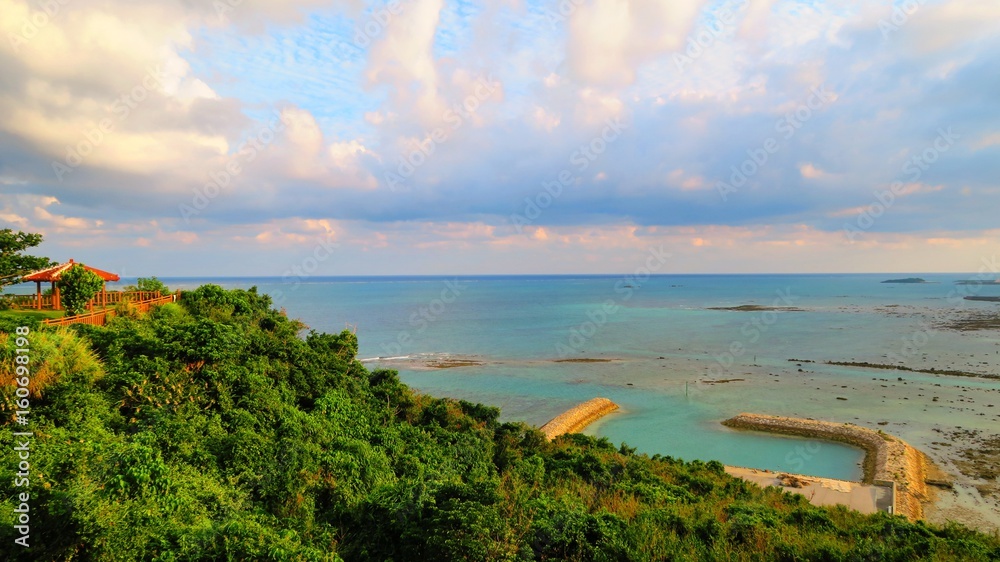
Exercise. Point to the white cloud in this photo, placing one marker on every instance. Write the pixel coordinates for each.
(810, 171)
(609, 39)
(402, 59)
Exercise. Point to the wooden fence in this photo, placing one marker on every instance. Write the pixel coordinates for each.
(100, 317)
(30, 302)
(115, 297)
(26, 302)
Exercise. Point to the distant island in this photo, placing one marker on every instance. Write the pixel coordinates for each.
(907, 280)
(977, 282)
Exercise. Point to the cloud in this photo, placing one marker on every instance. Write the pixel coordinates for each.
(121, 112)
(811, 172)
(403, 60)
(609, 39)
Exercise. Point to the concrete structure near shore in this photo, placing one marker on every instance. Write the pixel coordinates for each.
(894, 472)
(889, 461)
(578, 417)
(866, 498)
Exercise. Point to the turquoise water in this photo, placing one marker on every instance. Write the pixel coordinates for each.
(666, 346)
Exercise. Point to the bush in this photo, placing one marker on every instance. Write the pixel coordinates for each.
(148, 284)
(77, 285)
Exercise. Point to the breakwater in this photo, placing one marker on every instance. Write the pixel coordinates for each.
(887, 458)
(578, 417)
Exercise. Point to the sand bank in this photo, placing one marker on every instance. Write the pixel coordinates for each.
(821, 491)
(887, 458)
(578, 417)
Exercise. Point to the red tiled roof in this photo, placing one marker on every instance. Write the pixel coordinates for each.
(53, 273)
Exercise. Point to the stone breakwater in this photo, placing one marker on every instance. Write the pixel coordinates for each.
(887, 458)
(578, 417)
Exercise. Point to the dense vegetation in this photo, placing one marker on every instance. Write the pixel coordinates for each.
(210, 430)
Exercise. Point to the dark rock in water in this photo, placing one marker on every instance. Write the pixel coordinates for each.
(986, 299)
(906, 280)
(757, 308)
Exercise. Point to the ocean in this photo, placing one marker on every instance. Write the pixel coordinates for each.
(668, 352)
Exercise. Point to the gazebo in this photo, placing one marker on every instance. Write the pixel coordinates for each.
(52, 275)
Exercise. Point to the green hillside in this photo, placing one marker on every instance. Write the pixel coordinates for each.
(209, 430)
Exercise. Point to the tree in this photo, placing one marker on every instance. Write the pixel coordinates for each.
(13, 263)
(148, 284)
(77, 286)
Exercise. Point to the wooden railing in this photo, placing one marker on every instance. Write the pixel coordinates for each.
(135, 296)
(26, 301)
(29, 302)
(100, 317)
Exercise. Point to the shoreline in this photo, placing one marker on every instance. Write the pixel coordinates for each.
(578, 417)
(866, 498)
(887, 458)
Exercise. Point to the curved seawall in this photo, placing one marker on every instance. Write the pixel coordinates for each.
(578, 417)
(887, 458)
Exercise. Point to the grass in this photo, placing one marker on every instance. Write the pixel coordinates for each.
(31, 314)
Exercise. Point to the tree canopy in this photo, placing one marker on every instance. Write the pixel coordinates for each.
(149, 284)
(14, 263)
(77, 285)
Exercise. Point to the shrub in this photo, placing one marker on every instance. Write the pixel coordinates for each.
(151, 284)
(77, 285)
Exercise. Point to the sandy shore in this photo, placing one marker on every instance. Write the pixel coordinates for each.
(578, 417)
(820, 491)
(887, 458)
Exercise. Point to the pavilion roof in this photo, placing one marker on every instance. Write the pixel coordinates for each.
(55, 272)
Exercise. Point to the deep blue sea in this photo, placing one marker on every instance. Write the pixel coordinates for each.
(666, 350)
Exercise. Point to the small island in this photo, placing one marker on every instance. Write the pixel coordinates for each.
(977, 282)
(907, 280)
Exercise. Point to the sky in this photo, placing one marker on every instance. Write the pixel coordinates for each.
(308, 137)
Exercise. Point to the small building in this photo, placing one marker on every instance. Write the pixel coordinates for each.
(52, 275)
